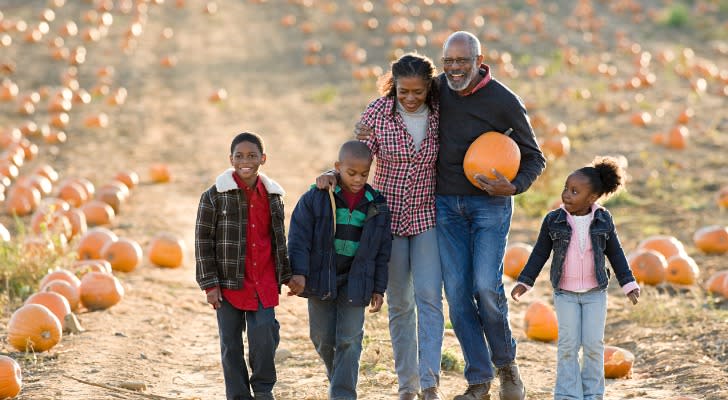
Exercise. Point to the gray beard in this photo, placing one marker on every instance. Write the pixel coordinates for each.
(458, 87)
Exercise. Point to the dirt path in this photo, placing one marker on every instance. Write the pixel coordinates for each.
(163, 333)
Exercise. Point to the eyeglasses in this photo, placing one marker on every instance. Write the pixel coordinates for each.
(458, 61)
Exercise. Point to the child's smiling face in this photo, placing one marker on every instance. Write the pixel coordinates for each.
(246, 159)
(578, 195)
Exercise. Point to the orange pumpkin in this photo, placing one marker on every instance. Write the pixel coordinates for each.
(648, 266)
(22, 200)
(77, 218)
(712, 239)
(723, 197)
(492, 150)
(129, 178)
(617, 362)
(717, 284)
(91, 243)
(98, 212)
(100, 291)
(111, 196)
(33, 327)
(73, 192)
(62, 274)
(166, 250)
(556, 146)
(47, 171)
(66, 290)
(82, 267)
(59, 305)
(51, 222)
(666, 245)
(515, 258)
(540, 322)
(11, 378)
(123, 254)
(160, 173)
(682, 270)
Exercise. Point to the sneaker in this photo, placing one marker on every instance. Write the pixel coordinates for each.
(407, 396)
(475, 392)
(511, 386)
(431, 394)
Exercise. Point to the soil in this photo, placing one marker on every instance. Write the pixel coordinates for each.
(164, 335)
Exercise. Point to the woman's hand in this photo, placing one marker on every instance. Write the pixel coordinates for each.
(361, 131)
(376, 304)
(326, 180)
(517, 292)
(634, 295)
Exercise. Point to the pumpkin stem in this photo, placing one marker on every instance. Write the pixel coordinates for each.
(508, 132)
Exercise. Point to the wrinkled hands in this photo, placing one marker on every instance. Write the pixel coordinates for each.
(634, 295)
(376, 304)
(326, 180)
(517, 292)
(214, 298)
(296, 285)
(500, 186)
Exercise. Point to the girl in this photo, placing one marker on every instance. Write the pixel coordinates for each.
(580, 233)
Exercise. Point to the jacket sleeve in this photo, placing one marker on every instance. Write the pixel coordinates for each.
(300, 235)
(205, 258)
(381, 263)
(617, 259)
(285, 260)
(533, 161)
(539, 256)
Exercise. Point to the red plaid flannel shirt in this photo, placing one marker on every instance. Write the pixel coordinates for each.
(404, 175)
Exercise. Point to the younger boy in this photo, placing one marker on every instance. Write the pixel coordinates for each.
(339, 248)
(241, 261)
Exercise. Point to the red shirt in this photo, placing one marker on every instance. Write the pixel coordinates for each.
(352, 199)
(260, 283)
(483, 81)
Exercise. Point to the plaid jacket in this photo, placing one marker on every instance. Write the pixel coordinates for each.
(222, 218)
(404, 175)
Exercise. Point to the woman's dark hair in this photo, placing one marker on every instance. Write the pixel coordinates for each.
(605, 175)
(408, 66)
(248, 137)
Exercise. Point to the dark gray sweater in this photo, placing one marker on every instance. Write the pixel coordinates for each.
(493, 107)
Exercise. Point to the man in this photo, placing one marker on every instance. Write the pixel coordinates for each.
(473, 222)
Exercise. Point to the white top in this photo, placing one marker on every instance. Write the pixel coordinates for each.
(416, 122)
(581, 230)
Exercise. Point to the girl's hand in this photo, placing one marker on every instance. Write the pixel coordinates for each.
(376, 304)
(517, 292)
(214, 297)
(634, 295)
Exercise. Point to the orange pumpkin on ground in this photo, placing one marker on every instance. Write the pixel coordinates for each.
(33, 327)
(160, 173)
(82, 267)
(712, 239)
(617, 362)
(166, 250)
(129, 178)
(682, 270)
(11, 378)
(723, 197)
(66, 290)
(492, 150)
(515, 258)
(541, 323)
(91, 243)
(666, 245)
(62, 274)
(98, 212)
(54, 223)
(74, 193)
(79, 226)
(648, 266)
(100, 291)
(111, 196)
(22, 200)
(59, 306)
(717, 284)
(123, 254)
(47, 171)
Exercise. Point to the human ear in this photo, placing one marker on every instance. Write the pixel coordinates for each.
(262, 159)
(337, 166)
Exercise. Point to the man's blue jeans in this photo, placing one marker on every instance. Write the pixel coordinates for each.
(582, 317)
(414, 305)
(337, 331)
(472, 233)
(263, 338)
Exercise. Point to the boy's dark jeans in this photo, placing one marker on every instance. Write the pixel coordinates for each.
(262, 329)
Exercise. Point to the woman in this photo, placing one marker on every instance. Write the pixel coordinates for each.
(404, 140)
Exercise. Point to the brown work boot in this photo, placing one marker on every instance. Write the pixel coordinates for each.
(407, 396)
(511, 386)
(431, 394)
(475, 392)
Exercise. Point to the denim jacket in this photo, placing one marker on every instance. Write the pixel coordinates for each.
(555, 235)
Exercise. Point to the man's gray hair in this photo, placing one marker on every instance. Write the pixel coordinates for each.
(468, 38)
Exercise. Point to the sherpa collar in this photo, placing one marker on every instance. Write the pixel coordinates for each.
(225, 183)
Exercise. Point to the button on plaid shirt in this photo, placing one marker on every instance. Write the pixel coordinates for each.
(404, 175)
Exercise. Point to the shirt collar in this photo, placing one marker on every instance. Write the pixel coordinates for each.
(484, 70)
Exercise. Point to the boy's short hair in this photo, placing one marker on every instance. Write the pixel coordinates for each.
(355, 149)
(248, 137)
